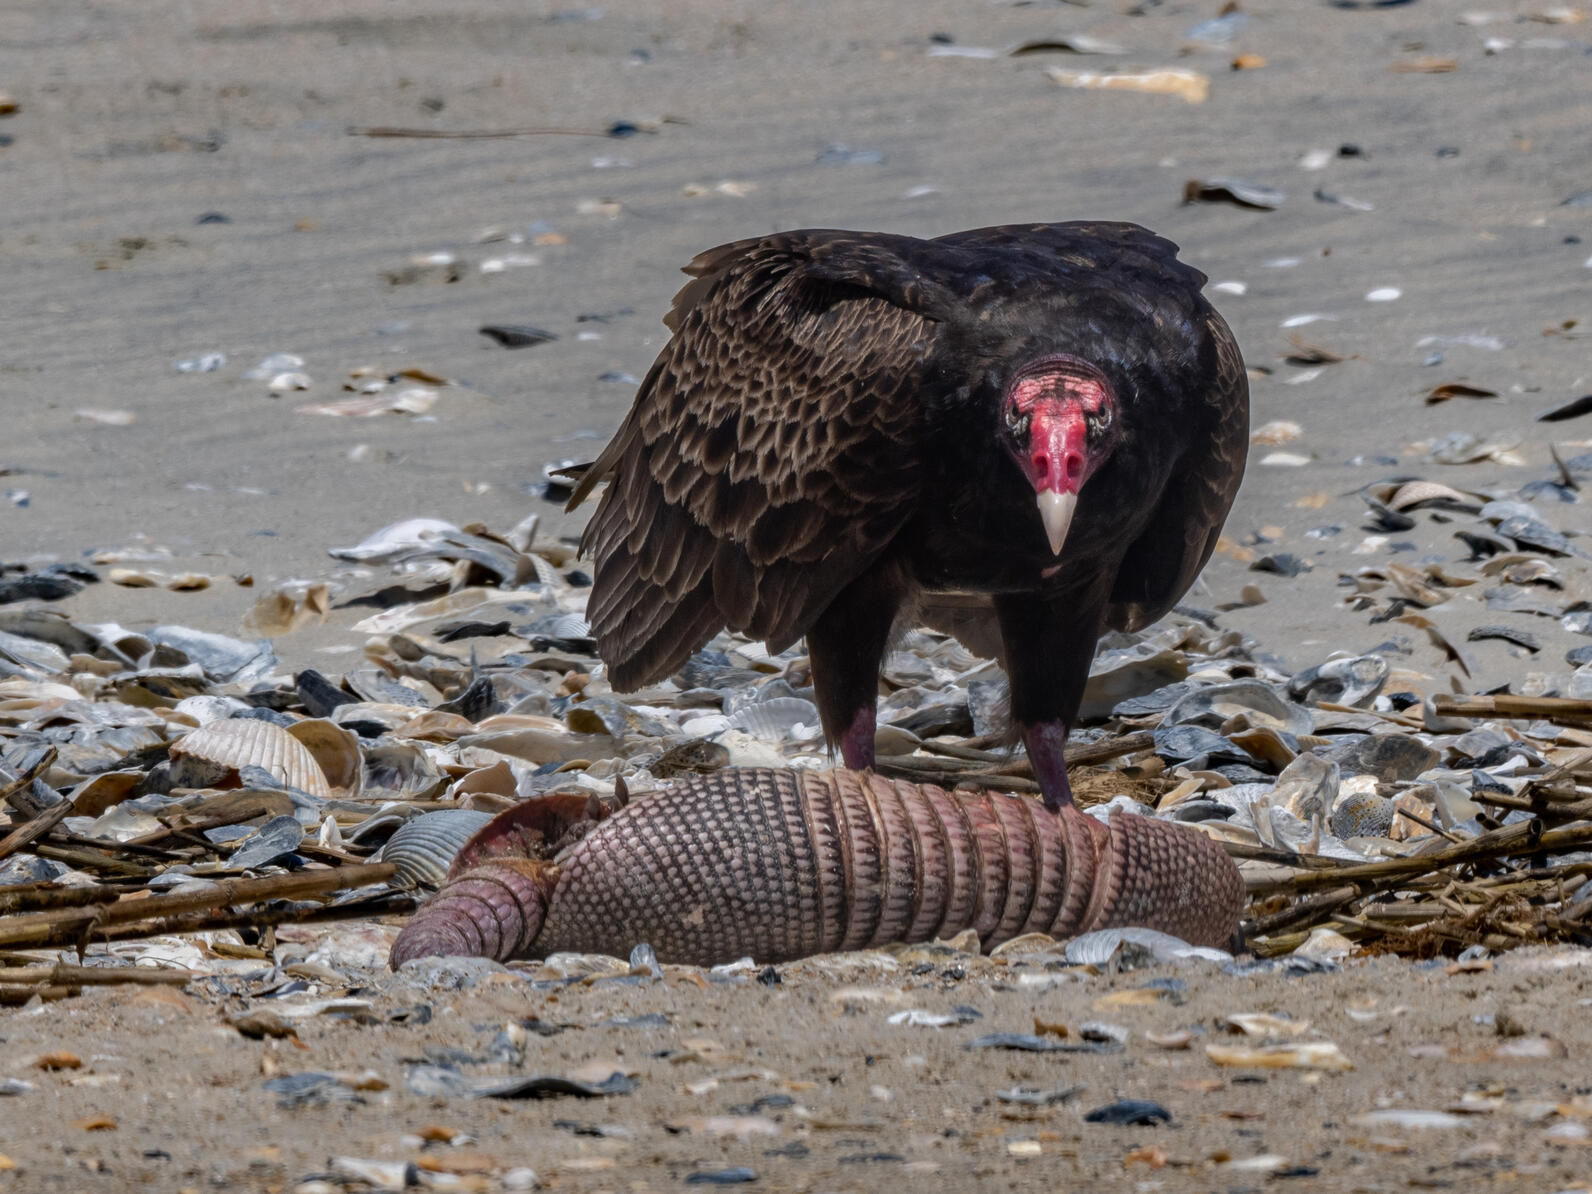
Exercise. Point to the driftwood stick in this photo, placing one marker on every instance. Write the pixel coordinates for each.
(94, 860)
(955, 771)
(1310, 908)
(30, 831)
(961, 750)
(921, 766)
(66, 974)
(1550, 809)
(43, 896)
(966, 763)
(38, 927)
(1402, 719)
(1108, 748)
(397, 903)
(185, 854)
(32, 763)
(1525, 838)
(17, 996)
(1567, 709)
(1307, 862)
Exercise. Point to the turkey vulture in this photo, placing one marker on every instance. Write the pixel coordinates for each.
(1021, 435)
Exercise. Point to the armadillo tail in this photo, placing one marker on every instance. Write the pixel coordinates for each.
(494, 910)
(1167, 877)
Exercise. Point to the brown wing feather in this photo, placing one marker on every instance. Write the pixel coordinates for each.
(768, 458)
(1164, 561)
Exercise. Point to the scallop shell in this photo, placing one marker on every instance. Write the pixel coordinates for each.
(566, 626)
(546, 572)
(336, 749)
(773, 720)
(247, 742)
(425, 847)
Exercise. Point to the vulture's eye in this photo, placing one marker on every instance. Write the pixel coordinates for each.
(1098, 420)
(1017, 420)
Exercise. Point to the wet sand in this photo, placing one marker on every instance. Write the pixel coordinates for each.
(137, 121)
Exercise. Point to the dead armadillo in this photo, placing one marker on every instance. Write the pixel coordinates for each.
(781, 864)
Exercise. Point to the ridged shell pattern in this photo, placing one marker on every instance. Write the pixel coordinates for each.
(245, 742)
(425, 847)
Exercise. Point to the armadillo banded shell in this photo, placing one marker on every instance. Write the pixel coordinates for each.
(246, 742)
(780, 864)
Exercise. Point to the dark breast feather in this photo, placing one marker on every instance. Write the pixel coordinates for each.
(769, 458)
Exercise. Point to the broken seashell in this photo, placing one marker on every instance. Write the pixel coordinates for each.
(1416, 495)
(1352, 681)
(273, 841)
(1233, 190)
(336, 751)
(229, 746)
(1258, 703)
(401, 770)
(1307, 787)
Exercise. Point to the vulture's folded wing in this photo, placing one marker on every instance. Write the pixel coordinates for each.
(770, 456)
(1164, 561)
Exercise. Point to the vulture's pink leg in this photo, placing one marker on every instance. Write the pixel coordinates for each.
(856, 743)
(1047, 744)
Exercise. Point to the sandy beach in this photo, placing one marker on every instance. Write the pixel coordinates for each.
(137, 123)
(182, 181)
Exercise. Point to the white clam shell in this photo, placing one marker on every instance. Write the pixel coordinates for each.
(246, 742)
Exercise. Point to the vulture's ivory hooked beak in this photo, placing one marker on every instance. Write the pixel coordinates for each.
(1055, 511)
